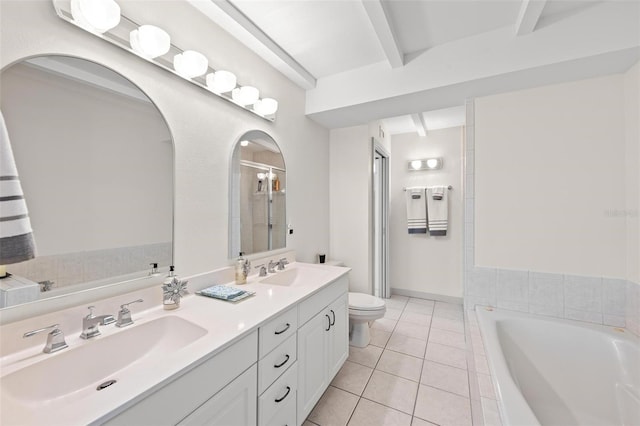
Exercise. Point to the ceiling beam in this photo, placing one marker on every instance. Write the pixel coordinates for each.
(420, 124)
(528, 17)
(230, 18)
(385, 32)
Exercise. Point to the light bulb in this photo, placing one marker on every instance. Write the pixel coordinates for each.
(96, 15)
(261, 176)
(221, 81)
(245, 95)
(150, 41)
(266, 106)
(432, 163)
(190, 64)
(416, 164)
(244, 143)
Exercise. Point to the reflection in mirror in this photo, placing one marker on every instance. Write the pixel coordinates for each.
(258, 201)
(95, 158)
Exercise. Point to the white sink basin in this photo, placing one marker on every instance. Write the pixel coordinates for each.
(81, 369)
(296, 276)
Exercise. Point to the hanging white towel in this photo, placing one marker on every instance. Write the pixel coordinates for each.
(437, 210)
(416, 211)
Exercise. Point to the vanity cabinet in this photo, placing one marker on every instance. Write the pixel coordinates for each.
(323, 344)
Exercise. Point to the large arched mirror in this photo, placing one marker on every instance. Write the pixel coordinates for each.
(95, 158)
(258, 195)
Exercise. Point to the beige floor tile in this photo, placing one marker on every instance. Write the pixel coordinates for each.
(442, 408)
(416, 318)
(481, 364)
(420, 308)
(419, 301)
(419, 422)
(384, 324)
(440, 306)
(447, 324)
(396, 302)
(446, 355)
(379, 337)
(446, 378)
(308, 423)
(486, 386)
(448, 314)
(407, 345)
(366, 356)
(352, 377)
(400, 365)
(416, 331)
(393, 314)
(369, 413)
(392, 391)
(490, 412)
(334, 408)
(399, 298)
(449, 338)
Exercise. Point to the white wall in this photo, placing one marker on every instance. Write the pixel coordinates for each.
(419, 262)
(204, 127)
(350, 183)
(550, 175)
(632, 166)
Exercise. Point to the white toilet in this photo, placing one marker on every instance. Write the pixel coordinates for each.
(363, 308)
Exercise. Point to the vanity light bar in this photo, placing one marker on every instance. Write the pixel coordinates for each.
(120, 36)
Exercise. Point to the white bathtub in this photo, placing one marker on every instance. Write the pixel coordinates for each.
(558, 372)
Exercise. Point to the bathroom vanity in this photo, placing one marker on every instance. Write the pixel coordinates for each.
(264, 361)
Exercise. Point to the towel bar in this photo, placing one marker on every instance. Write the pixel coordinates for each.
(405, 188)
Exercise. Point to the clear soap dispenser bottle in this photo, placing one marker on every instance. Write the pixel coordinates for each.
(243, 266)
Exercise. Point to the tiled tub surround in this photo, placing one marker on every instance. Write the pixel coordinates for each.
(544, 381)
(599, 300)
(414, 372)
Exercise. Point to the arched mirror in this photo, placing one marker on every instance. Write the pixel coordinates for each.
(95, 159)
(258, 195)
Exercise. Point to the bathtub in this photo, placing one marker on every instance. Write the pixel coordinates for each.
(559, 372)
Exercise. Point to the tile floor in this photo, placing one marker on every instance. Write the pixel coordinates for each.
(414, 371)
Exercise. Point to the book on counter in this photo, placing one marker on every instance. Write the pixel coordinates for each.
(225, 292)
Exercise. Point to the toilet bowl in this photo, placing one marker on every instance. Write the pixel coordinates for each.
(363, 309)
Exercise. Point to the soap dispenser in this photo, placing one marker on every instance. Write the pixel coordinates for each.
(173, 290)
(243, 266)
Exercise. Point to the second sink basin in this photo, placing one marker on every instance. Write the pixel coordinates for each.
(83, 368)
(296, 276)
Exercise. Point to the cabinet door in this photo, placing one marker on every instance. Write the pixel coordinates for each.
(312, 362)
(339, 336)
(234, 405)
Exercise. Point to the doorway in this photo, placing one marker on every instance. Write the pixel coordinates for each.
(380, 183)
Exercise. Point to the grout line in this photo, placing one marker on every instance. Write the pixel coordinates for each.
(415, 402)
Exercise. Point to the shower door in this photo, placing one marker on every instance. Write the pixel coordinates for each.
(381, 287)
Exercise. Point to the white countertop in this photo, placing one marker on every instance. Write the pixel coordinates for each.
(225, 323)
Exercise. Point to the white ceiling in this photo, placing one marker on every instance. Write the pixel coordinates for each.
(363, 60)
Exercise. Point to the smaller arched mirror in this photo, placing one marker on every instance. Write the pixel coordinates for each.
(258, 195)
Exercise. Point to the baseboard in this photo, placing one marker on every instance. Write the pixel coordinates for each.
(424, 295)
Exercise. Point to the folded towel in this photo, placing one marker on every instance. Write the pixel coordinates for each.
(437, 210)
(221, 292)
(416, 211)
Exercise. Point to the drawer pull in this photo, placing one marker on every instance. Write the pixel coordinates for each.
(334, 317)
(284, 329)
(329, 318)
(285, 395)
(283, 362)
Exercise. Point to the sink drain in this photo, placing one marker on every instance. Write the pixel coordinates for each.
(105, 384)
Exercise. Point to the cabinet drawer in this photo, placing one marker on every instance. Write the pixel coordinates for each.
(278, 330)
(310, 307)
(281, 393)
(285, 416)
(276, 362)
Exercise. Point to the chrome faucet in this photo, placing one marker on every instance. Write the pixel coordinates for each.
(263, 270)
(124, 316)
(282, 263)
(272, 266)
(55, 339)
(91, 322)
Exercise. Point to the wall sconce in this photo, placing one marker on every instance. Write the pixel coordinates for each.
(425, 164)
(103, 19)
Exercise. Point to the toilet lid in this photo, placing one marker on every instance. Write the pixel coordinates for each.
(365, 302)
